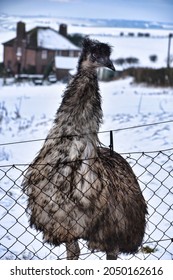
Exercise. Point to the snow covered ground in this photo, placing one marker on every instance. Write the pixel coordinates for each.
(124, 105)
(26, 115)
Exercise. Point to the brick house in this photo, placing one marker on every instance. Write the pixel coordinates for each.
(34, 51)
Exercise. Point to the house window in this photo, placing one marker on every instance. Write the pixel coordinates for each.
(59, 53)
(71, 53)
(9, 66)
(44, 54)
(19, 51)
(9, 63)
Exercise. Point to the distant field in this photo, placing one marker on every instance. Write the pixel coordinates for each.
(131, 44)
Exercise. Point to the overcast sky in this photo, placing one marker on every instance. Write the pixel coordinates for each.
(154, 10)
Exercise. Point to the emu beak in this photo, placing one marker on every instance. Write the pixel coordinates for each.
(109, 64)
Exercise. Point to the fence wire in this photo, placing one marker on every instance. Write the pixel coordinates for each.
(154, 171)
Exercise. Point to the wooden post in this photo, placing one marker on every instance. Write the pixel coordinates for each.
(169, 47)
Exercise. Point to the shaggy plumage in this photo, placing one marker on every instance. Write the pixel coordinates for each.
(75, 188)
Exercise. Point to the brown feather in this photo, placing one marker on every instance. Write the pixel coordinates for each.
(75, 188)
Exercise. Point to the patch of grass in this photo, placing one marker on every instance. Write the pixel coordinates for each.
(148, 250)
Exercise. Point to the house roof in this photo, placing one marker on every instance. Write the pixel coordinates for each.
(46, 38)
(63, 62)
(51, 39)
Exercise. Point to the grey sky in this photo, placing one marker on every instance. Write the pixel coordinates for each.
(153, 10)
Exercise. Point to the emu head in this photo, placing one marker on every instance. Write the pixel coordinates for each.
(95, 54)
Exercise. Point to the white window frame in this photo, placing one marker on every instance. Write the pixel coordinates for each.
(44, 54)
(19, 51)
(71, 53)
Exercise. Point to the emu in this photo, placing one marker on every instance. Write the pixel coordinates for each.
(75, 188)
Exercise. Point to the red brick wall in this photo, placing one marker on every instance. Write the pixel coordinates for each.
(9, 57)
(62, 74)
(42, 63)
(30, 58)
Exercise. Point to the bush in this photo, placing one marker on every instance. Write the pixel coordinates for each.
(132, 60)
(129, 60)
(140, 34)
(1, 69)
(119, 61)
(76, 39)
(156, 77)
(131, 34)
(153, 57)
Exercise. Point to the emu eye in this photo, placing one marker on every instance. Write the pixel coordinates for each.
(94, 57)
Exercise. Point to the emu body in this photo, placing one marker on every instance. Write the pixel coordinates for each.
(75, 189)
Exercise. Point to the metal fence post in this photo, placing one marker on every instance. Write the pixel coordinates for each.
(111, 146)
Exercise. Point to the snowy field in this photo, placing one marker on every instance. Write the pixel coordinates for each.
(26, 115)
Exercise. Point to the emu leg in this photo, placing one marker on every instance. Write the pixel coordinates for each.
(112, 255)
(73, 250)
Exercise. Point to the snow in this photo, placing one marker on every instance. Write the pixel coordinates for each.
(121, 109)
(5, 36)
(115, 31)
(26, 115)
(50, 39)
(63, 62)
(139, 47)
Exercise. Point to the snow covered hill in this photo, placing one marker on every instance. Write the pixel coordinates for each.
(138, 42)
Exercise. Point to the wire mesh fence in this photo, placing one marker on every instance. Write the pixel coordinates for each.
(154, 171)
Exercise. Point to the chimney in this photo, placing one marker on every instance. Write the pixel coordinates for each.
(21, 30)
(63, 29)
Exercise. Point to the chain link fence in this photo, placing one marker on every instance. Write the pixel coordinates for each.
(154, 171)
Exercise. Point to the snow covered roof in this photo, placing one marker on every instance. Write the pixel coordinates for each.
(66, 62)
(50, 39)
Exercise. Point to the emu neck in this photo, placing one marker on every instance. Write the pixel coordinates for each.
(80, 111)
